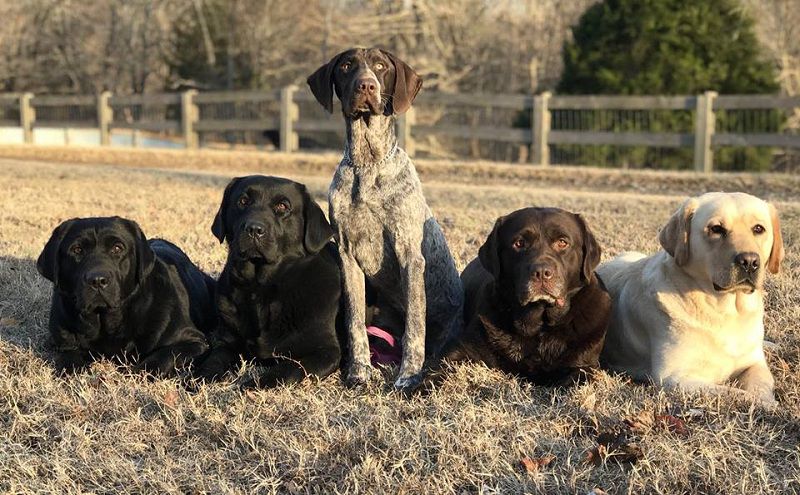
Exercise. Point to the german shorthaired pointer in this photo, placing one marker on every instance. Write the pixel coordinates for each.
(385, 229)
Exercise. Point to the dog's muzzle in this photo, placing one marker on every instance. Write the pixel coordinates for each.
(744, 274)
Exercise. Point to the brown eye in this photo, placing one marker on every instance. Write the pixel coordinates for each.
(117, 248)
(759, 229)
(282, 207)
(76, 250)
(519, 244)
(379, 66)
(346, 66)
(244, 201)
(717, 230)
(561, 244)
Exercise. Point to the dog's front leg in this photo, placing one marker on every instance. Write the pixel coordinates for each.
(757, 380)
(412, 266)
(354, 308)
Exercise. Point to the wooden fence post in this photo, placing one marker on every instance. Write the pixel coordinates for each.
(289, 140)
(704, 132)
(403, 127)
(540, 150)
(104, 117)
(189, 117)
(27, 116)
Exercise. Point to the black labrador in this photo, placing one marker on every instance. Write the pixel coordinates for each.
(533, 305)
(118, 295)
(278, 295)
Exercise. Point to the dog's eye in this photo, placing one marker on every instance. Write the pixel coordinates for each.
(346, 66)
(519, 244)
(117, 248)
(561, 244)
(244, 201)
(282, 207)
(379, 66)
(759, 229)
(76, 250)
(717, 230)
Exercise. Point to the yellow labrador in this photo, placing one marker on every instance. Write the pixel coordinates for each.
(692, 314)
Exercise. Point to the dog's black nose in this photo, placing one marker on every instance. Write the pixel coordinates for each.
(749, 262)
(255, 229)
(541, 272)
(97, 280)
(367, 85)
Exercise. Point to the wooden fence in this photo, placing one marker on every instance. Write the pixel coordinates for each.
(179, 113)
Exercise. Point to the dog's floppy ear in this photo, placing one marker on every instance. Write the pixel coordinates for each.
(321, 83)
(317, 229)
(674, 237)
(489, 252)
(591, 251)
(218, 228)
(47, 264)
(145, 256)
(407, 84)
(777, 252)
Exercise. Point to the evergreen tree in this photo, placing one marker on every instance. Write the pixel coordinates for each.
(678, 47)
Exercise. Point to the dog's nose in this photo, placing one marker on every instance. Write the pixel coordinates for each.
(255, 229)
(541, 272)
(96, 280)
(367, 85)
(749, 262)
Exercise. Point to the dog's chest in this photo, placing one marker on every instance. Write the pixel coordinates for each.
(255, 314)
(712, 340)
(530, 353)
(362, 216)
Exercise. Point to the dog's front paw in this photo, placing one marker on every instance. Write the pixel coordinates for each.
(358, 375)
(767, 399)
(408, 384)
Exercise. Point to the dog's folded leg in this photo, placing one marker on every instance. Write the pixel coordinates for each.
(359, 369)
(71, 361)
(411, 372)
(165, 361)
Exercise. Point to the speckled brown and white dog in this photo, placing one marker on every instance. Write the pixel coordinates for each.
(385, 229)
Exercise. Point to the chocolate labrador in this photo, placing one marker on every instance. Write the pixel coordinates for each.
(278, 295)
(533, 305)
(118, 295)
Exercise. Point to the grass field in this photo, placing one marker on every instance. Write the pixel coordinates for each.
(106, 430)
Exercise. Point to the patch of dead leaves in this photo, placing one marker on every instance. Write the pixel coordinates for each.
(616, 444)
(619, 443)
(648, 420)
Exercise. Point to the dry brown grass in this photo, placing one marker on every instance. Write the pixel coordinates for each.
(109, 431)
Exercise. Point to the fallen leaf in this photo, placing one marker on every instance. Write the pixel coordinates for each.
(615, 445)
(171, 398)
(595, 456)
(647, 420)
(292, 488)
(640, 423)
(627, 453)
(673, 424)
(9, 322)
(534, 465)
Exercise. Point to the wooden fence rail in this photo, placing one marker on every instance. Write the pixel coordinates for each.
(135, 112)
